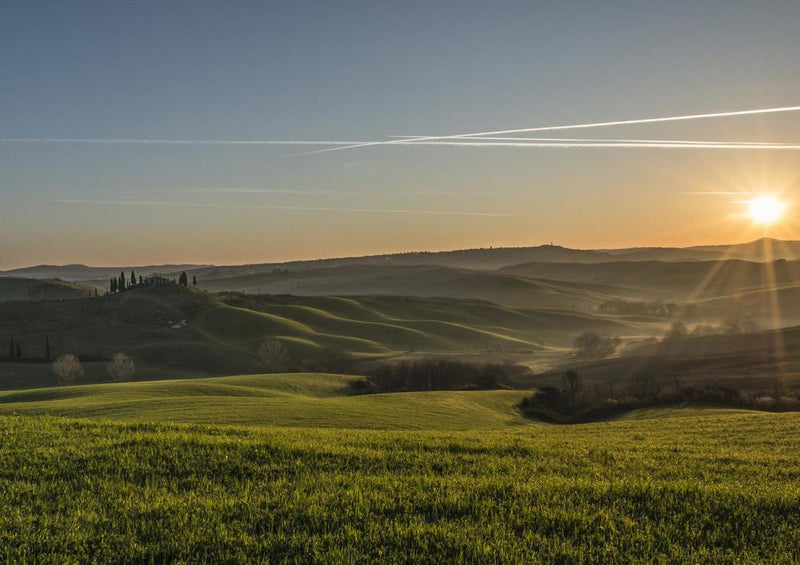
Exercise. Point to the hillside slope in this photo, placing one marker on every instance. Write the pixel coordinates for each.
(17, 288)
(173, 332)
(296, 400)
(430, 281)
(670, 280)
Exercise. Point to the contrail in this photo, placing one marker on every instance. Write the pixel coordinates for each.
(452, 141)
(669, 145)
(121, 141)
(572, 126)
(262, 207)
(613, 140)
(313, 192)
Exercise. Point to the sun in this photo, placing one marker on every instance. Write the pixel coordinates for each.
(765, 209)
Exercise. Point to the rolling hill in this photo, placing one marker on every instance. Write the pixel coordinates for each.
(428, 281)
(296, 400)
(677, 281)
(172, 332)
(755, 361)
(765, 249)
(16, 288)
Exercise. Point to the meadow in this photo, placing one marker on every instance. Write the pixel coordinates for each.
(682, 485)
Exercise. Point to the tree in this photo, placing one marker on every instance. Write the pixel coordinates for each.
(590, 345)
(194, 280)
(736, 325)
(133, 278)
(47, 347)
(141, 281)
(121, 367)
(112, 288)
(67, 369)
(122, 281)
(183, 280)
(677, 330)
(274, 356)
(572, 383)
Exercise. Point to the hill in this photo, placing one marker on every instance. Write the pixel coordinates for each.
(760, 361)
(16, 288)
(426, 281)
(765, 249)
(678, 281)
(84, 273)
(174, 332)
(282, 400)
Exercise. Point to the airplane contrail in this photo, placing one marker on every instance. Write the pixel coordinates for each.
(476, 142)
(313, 192)
(612, 140)
(269, 207)
(120, 141)
(453, 141)
(566, 127)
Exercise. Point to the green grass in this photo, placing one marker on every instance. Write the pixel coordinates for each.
(279, 400)
(706, 487)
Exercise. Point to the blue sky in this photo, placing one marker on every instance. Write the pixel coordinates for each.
(365, 71)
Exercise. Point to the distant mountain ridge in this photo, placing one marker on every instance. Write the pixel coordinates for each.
(764, 249)
(78, 272)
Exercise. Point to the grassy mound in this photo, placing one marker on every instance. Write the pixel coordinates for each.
(280, 400)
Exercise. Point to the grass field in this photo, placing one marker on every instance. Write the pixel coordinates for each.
(688, 486)
(282, 400)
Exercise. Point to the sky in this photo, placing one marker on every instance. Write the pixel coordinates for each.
(366, 71)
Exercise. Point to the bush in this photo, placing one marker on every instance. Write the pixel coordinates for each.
(121, 368)
(444, 374)
(590, 345)
(67, 369)
(363, 386)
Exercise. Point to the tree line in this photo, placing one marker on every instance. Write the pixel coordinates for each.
(442, 374)
(123, 282)
(15, 351)
(573, 402)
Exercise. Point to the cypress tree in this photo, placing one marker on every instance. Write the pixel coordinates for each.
(194, 280)
(122, 281)
(133, 278)
(183, 280)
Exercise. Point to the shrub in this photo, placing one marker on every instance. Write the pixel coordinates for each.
(67, 369)
(121, 367)
(590, 345)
